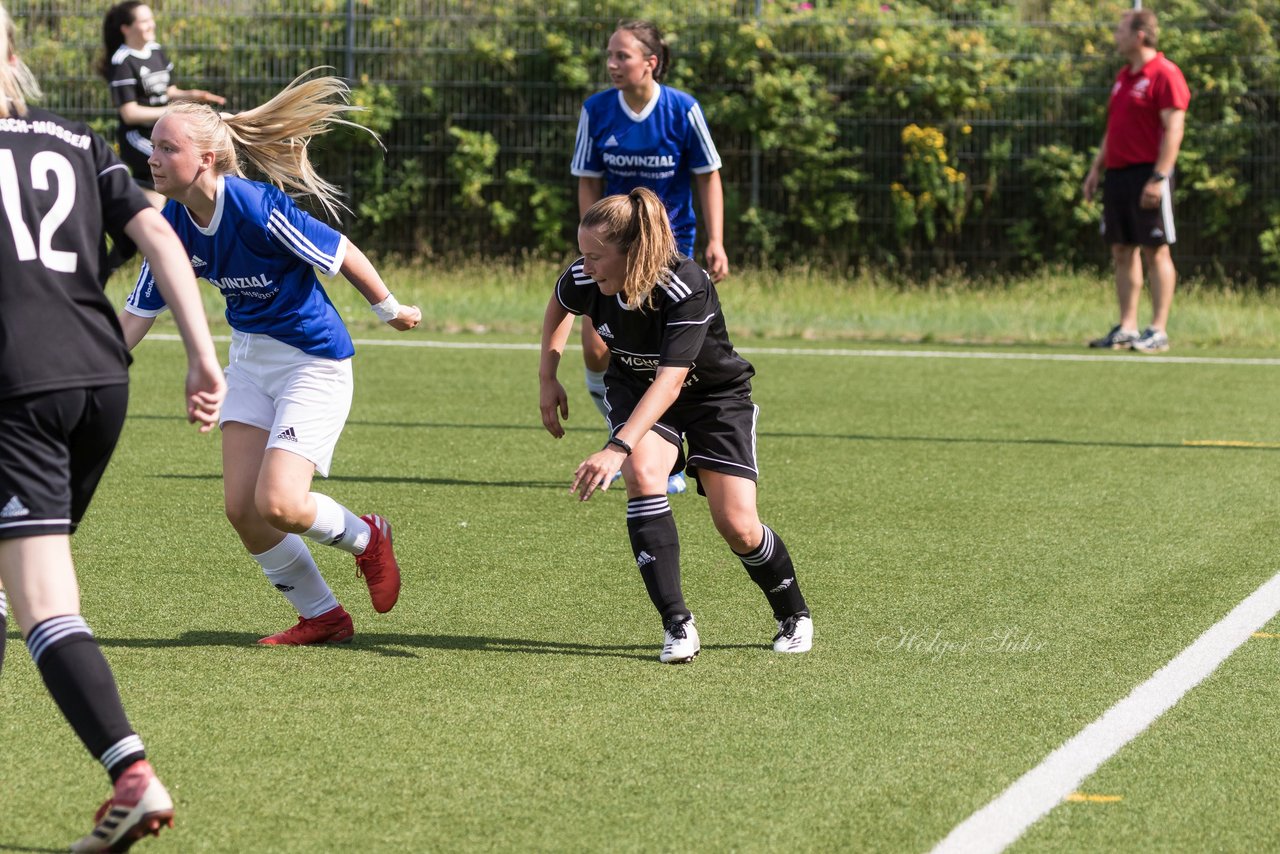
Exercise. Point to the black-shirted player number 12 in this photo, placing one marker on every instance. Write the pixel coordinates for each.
(42, 164)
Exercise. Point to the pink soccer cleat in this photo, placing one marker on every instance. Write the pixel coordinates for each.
(139, 806)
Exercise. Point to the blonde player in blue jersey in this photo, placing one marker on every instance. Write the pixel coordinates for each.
(643, 134)
(289, 382)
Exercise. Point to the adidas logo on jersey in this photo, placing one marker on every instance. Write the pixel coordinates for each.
(14, 509)
(197, 261)
(604, 331)
(610, 142)
(287, 434)
(644, 559)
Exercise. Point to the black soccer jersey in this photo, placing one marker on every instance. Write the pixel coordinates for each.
(61, 185)
(142, 76)
(684, 328)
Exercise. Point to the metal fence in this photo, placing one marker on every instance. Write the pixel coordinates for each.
(419, 50)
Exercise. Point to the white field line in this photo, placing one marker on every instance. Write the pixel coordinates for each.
(1131, 359)
(1030, 797)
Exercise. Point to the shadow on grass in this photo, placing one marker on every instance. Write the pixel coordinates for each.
(783, 434)
(6, 846)
(435, 481)
(401, 645)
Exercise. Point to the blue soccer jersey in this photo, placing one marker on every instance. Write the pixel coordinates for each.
(262, 253)
(661, 147)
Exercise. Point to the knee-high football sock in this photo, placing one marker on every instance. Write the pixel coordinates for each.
(769, 566)
(337, 526)
(80, 681)
(595, 388)
(656, 545)
(291, 568)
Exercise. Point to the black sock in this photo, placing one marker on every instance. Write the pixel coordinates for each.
(4, 624)
(656, 545)
(80, 681)
(769, 566)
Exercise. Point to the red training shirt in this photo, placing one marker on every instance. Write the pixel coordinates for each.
(1134, 129)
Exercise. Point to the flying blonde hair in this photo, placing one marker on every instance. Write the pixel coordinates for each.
(273, 138)
(638, 224)
(17, 84)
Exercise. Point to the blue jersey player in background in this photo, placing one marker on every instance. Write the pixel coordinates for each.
(289, 382)
(643, 134)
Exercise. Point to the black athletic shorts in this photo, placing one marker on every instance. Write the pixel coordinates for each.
(720, 429)
(1124, 220)
(54, 447)
(135, 150)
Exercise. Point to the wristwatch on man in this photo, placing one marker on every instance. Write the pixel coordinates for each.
(1157, 177)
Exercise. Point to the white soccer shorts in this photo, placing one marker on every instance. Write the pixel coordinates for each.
(302, 401)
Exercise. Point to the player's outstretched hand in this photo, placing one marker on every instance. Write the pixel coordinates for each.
(554, 404)
(409, 317)
(206, 387)
(596, 472)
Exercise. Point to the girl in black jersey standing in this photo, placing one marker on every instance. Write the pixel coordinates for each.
(140, 76)
(673, 377)
(63, 393)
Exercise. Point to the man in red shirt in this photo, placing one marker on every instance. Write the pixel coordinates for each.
(1144, 131)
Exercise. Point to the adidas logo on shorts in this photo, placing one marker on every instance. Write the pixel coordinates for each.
(14, 509)
(288, 435)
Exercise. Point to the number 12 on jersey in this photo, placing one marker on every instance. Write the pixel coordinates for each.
(43, 164)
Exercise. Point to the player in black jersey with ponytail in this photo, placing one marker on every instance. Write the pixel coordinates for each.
(673, 377)
(63, 392)
(141, 79)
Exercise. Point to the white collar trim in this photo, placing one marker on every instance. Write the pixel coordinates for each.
(219, 196)
(648, 108)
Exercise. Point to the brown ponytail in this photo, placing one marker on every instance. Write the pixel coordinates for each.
(637, 223)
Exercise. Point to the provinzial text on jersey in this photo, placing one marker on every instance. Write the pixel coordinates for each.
(649, 161)
(235, 283)
(79, 140)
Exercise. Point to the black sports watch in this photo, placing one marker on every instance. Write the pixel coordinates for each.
(1157, 177)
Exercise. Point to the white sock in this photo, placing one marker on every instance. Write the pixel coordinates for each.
(337, 526)
(291, 569)
(595, 388)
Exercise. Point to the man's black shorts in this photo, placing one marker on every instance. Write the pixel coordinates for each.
(54, 448)
(720, 429)
(135, 151)
(1124, 220)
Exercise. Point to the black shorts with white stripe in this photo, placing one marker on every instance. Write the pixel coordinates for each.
(720, 429)
(56, 446)
(135, 150)
(1125, 220)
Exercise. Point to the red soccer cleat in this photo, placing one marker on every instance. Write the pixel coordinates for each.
(377, 564)
(333, 626)
(139, 806)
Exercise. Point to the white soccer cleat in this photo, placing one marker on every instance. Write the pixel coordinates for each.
(680, 642)
(139, 806)
(795, 634)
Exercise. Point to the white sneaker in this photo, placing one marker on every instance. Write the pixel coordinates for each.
(676, 484)
(795, 634)
(680, 642)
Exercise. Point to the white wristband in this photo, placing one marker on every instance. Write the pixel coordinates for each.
(387, 310)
